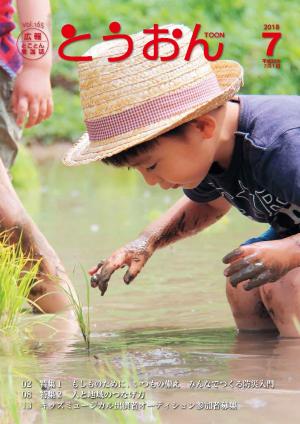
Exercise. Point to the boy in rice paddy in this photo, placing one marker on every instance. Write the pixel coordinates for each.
(182, 126)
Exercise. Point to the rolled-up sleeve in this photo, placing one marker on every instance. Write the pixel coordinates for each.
(203, 193)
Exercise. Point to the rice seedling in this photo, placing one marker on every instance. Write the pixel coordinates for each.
(18, 274)
(15, 407)
(117, 410)
(9, 401)
(83, 319)
(127, 374)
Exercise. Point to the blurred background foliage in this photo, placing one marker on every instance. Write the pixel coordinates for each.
(241, 20)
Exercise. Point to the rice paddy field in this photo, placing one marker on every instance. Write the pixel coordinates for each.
(166, 343)
(165, 348)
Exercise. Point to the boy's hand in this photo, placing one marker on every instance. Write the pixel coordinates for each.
(32, 95)
(262, 262)
(134, 254)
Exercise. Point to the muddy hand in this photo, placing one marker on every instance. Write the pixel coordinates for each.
(95, 278)
(134, 255)
(261, 263)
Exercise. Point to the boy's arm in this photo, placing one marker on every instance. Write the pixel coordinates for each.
(184, 218)
(32, 88)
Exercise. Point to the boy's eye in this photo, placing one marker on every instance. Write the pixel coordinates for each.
(150, 168)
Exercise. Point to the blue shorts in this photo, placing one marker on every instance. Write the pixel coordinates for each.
(270, 234)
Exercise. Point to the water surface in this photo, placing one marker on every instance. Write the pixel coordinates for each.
(173, 322)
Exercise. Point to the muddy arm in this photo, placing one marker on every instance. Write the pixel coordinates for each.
(183, 219)
(14, 217)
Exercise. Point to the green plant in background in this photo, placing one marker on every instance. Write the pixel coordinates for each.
(26, 180)
(18, 274)
(66, 123)
(24, 171)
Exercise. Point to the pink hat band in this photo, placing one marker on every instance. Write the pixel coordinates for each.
(153, 110)
(130, 102)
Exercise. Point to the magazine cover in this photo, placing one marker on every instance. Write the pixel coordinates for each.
(150, 211)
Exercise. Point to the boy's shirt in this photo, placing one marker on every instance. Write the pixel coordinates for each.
(10, 59)
(263, 178)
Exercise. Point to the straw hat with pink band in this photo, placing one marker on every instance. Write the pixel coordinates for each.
(128, 102)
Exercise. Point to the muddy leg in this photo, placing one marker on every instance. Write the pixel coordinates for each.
(282, 299)
(13, 215)
(248, 309)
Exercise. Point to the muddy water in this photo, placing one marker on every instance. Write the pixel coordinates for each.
(173, 320)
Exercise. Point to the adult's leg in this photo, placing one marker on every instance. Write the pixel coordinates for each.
(282, 300)
(249, 312)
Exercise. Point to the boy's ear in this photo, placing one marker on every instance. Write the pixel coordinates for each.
(206, 124)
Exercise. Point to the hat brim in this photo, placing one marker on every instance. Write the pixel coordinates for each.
(230, 78)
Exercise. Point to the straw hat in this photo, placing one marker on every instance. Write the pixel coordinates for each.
(134, 100)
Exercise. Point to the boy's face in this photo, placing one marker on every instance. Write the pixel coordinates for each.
(178, 161)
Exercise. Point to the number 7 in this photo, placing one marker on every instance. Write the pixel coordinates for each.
(275, 38)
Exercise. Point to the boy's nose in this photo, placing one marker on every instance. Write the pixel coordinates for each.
(150, 179)
(154, 180)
